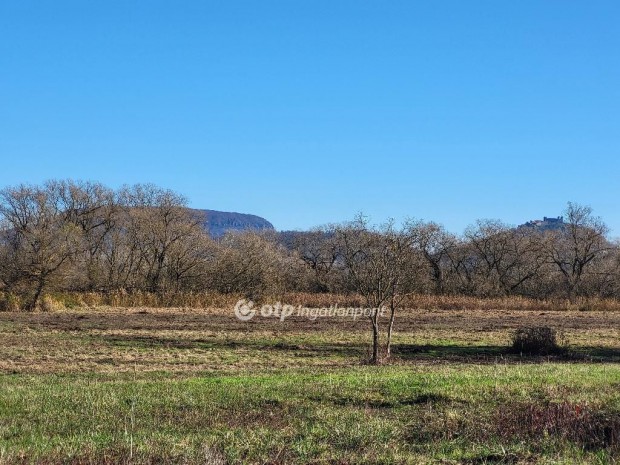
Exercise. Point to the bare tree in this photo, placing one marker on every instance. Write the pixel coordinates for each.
(121, 256)
(380, 266)
(574, 249)
(509, 257)
(249, 263)
(39, 243)
(93, 209)
(189, 261)
(158, 220)
(74, 235)
(319, 251)
(435, 244)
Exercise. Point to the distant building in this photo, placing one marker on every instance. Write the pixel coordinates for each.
(546, 224)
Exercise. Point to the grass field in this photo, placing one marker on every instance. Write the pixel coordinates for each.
(147, 386)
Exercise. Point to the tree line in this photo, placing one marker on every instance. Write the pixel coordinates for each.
(78, 236)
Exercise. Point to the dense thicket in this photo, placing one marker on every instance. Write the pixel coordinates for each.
(83, 236)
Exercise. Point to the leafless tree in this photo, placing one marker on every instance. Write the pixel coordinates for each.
(249, 263)
(380, 266)
(158, 221)
(38, 242)
(318, 250)
(509, 257)
(93, 209)
(83, 236)
(435, 244)
(574, 249)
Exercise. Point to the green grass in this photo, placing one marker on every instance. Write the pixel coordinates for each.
(187, 388)
(354, 415)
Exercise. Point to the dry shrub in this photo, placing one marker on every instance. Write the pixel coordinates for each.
(595, 305)
(208, 299)
(316, 300)
(537, 340)
(133, 299)
(460, 302)
(532, 423)
(577, 423)
(10, 302)
(50, 304)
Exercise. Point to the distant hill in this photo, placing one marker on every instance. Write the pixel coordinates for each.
(218, 223)
(546, 224)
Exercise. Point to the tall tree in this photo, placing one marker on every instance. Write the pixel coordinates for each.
(508, 257)
(435, 244)
(39, 242)
(158, 220)
(575, 248)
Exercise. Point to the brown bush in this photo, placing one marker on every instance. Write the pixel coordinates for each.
(10, 303)
(50, 304)
(536, 340)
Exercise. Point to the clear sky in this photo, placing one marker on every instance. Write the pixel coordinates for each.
(306, 112)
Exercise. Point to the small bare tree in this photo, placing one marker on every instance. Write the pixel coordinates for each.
(380, 265)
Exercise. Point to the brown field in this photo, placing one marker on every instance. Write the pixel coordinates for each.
(146, 386)
(176, 340)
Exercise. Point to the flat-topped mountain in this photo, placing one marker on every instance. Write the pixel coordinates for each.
(218, 223)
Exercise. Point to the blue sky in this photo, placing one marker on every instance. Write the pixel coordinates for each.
(306, 112)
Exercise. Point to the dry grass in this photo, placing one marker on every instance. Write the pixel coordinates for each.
(202, 300)
(111, 340)
(579, 423)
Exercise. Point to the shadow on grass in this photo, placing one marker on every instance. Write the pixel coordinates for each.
(404, 352)
(157, 342)
(421, 399)
(493, 354)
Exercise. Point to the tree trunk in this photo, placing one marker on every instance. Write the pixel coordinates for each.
(570, 291)
(438, 278)
(388, 346)
(32, 305)
(375, 360)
